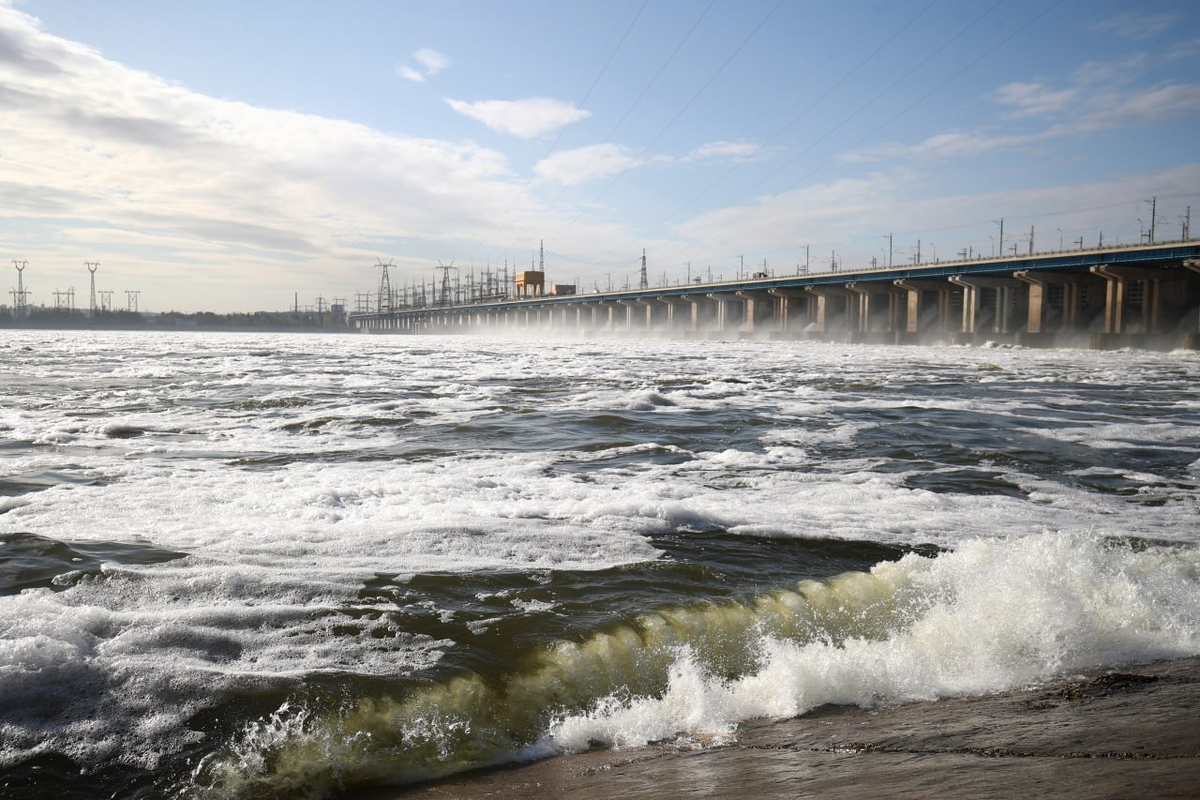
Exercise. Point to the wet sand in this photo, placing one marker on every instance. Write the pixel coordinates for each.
(1132, 733)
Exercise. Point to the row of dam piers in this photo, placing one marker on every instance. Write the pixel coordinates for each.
(1145, 296)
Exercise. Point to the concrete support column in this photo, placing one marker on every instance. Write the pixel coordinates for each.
(722, 322)
(869, 297)
(998, 318)
(670, 303)
(1117, 295)
(694, 313)
(830, 301)
(758, 307)
(647, 313)
(788, 303)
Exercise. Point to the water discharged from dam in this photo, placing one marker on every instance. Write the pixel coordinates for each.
(289, 566)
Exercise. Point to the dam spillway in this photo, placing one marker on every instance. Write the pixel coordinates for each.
(1145, 296)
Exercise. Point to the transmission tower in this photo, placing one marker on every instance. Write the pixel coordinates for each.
(20, 295)
(105, 300)
(644, 282)
(445, 296)
(131, 300)
(92, 267)
(384, 300)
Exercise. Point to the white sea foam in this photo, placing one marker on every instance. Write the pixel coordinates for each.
(994, 614)
(991, 615)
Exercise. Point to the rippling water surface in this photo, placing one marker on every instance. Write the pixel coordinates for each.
(290, 566)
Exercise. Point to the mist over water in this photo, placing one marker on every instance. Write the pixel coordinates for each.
(287, 566)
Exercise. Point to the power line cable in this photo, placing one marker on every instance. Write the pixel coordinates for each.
(900, 113)
(876, 98)
(682, 110)
(582, 102)
(647, 87)
(804, 111)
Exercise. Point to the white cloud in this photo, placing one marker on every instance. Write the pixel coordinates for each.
(524, 118)
(573, 167)
(1098, 95)
(205, 203)
(1123, 70)
(1141, 107)
(954, 144)
(1034, 99)
(431, 61)
(1185, 49)
(91, 146)
(409, 74)
(1135, 25)
(832, 211)
(721, 149)
(850, 215)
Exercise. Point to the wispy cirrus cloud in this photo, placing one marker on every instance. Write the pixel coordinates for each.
(832, 213)
(431, 62)
(724, 150)
(574, 167)
(953, 144)
(1098, 95)
(1135, 25)
(1035, 99)
(524, 118)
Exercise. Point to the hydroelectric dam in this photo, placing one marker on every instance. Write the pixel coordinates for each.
(1142, 296)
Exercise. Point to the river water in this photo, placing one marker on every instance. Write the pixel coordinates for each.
(290, 566)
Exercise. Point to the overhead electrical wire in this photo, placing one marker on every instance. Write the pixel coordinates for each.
(683, 109)
(582, 101)
(649, 84)
(896, 116)
(799, 115)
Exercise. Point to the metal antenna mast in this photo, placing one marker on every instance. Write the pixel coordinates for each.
(384, 301)
(92, 267)
(644, 283)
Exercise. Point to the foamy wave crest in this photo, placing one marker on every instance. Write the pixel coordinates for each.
(991, 615)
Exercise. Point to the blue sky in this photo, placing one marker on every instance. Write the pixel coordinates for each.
(232, 155)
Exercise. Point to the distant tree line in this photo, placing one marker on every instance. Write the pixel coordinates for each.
(59, 318)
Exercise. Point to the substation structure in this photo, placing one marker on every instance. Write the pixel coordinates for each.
(1144, 296)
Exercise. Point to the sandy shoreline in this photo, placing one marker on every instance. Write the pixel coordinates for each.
(1133, 732)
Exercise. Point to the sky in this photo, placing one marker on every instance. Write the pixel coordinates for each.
(242, 156)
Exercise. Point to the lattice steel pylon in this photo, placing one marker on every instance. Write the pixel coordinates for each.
(445, 296)
(92, 267)
(19, 294)
(383, 302)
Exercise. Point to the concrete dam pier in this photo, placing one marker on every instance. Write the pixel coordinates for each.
(1143, 296)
